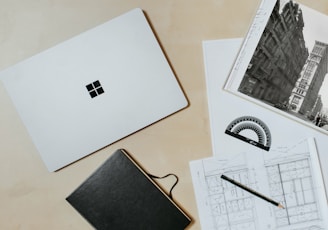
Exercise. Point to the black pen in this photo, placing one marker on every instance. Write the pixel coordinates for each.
(251, 191)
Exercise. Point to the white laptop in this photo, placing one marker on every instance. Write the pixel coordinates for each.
(93, 89)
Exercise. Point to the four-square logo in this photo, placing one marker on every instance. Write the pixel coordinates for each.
(95, 89)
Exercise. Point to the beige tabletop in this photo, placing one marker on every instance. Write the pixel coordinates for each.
(33, 198)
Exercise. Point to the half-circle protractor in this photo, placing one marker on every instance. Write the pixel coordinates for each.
(251, 130)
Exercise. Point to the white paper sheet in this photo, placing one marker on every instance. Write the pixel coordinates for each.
(224, 107)
(290, 175)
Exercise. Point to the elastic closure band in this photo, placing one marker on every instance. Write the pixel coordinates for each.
(170, 174)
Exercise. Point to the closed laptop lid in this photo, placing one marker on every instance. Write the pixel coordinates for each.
(93, 89)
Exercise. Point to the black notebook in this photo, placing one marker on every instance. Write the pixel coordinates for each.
(121, 195)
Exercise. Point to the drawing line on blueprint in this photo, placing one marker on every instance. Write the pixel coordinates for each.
(289, 175)
(313, 227)
(232, 207)
(291, 182)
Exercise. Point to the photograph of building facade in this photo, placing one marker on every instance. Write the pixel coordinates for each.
(305, 98)
(279, 57)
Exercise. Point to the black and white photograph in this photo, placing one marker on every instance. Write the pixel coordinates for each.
(289, 66)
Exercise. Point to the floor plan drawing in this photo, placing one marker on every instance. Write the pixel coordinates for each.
(292, 182)
(232, 207)
(289, 175)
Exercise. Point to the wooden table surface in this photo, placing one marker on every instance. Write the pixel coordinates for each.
(33, 198)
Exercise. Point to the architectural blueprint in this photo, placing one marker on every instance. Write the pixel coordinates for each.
(290, 175)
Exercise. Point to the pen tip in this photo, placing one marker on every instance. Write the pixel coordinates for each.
(281, 206)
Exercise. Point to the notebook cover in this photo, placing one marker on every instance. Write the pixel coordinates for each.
(120, 195)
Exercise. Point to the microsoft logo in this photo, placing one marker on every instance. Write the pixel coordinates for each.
(95, 89)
